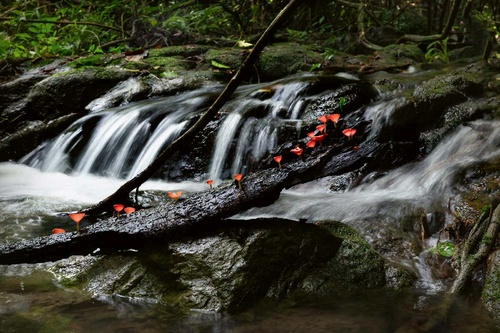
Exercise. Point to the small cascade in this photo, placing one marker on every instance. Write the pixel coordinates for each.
(120, 142)
(380, 113)
(400, 192)
(240, 144)
(381, 203)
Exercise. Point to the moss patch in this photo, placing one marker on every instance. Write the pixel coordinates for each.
(90, 61)
(356, 265)
(280, 60)
(182, 50)
(231, 57)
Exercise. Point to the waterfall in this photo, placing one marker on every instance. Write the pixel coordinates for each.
(122, 141)
(119, 142)
(258, 135)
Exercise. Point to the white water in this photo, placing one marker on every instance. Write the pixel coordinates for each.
(30, 199)
(120, 142)
(421, 185)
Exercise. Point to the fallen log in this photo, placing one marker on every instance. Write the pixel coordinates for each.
(196, 212)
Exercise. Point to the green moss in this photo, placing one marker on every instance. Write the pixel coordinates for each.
(406, 51)
(183, 50)
(231, 57)
(343, 231)
(487, 240)
(491, 290)
(355, 266)
(90, 61)
(277, 61)
(136, 65)
(171, 63)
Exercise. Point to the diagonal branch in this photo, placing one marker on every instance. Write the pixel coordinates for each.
(242, 73)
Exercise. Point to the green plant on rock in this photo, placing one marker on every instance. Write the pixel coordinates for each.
(438, 50)
(444, 249)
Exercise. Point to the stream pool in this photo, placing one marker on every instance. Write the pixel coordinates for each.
(34, 303)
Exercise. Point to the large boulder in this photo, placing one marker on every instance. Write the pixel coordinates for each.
(425, 109)
(230, 268)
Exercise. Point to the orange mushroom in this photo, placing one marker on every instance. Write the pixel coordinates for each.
(238, 177)
(77, 217)
(277, 159)
(118, 208)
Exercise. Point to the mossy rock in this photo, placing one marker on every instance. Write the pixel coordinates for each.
(28, 137)
(425, 109)
(402, 53)
(230, 57)
(171, 63)
(181, 50)
(96, 60)
(356, 266)
(238, 263)
(280, 60)
(70, 92)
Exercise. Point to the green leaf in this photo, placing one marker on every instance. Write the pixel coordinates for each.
(445, 249)
(315, 67)
(219, 65)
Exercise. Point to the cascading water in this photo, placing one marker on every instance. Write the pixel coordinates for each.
(255, 136)
(80, 167)
(122, 141)
(415, 186)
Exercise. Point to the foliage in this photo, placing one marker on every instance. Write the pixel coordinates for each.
(51, 30)
(48, 28)
(327, 55)
(437, 50)
(445, 249)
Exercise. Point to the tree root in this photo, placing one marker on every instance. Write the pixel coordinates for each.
(477, 247)
(485, 232)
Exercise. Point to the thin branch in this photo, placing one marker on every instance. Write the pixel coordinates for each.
(177, 144)
(432, 38)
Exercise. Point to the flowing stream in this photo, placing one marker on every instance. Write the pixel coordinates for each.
(98, 152)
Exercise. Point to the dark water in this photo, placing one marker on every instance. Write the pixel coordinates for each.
(34, 303)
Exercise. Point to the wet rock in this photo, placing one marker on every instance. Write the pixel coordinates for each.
(453, 117)
(17, 89)
(144, 87)
(231, 268)
(70, 92)
(356, 264)
(427, 106)
(355, 93)
(27, 138)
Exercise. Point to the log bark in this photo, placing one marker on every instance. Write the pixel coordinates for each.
(185, 217)
(245, 69)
